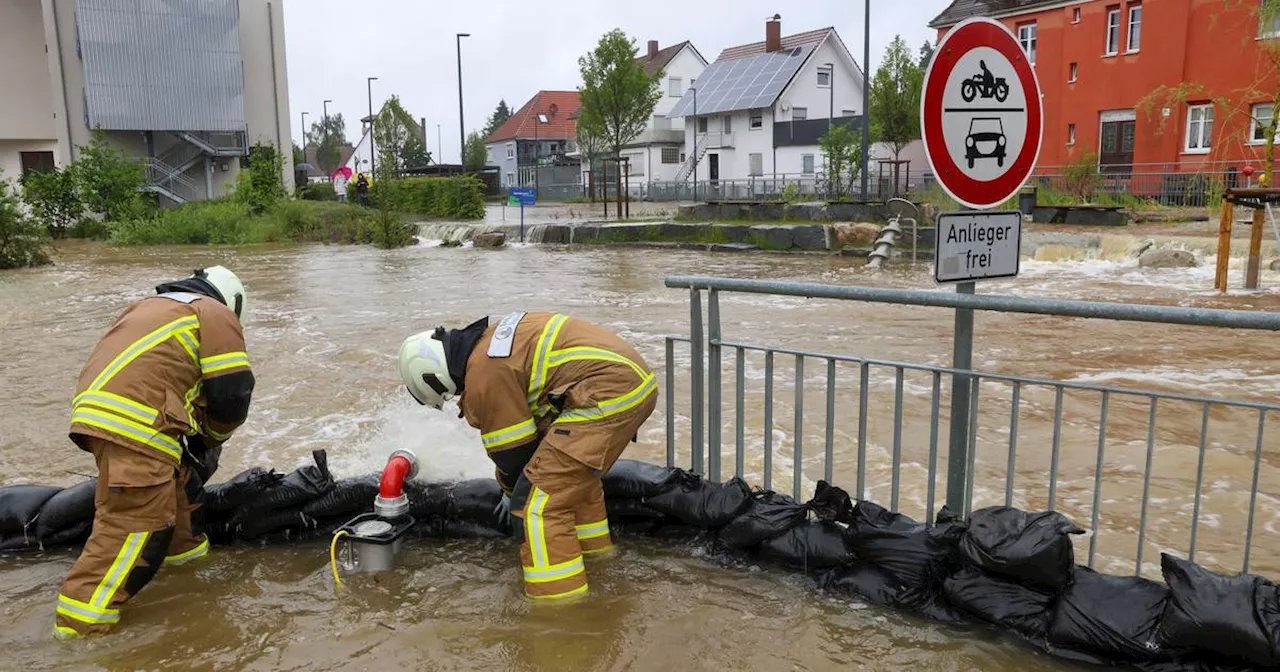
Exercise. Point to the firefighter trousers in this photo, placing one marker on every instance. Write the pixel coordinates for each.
(143, 518)
(560, 500)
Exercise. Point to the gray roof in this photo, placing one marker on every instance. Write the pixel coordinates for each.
(746, 83)
(959, 10)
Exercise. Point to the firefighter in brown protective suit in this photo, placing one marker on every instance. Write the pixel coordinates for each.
(161, 391)
(556, 400)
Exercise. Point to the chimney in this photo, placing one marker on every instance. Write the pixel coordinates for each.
(773, 34)
(653, 49)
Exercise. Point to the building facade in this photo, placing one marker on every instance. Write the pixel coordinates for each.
(540, 133)
(655, 156)
(1178, 85)
(185, 87)
(760, 109)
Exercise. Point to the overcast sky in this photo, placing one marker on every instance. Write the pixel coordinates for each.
(518, 48)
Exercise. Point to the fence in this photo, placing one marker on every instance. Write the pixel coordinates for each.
(708, 344)
(766, 188)
(1198, 185)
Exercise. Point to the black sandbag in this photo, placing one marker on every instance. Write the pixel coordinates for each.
(812, 545)
(347, 498)
(768, 515)
(914, 553)
(273, 522)
(1114, 617)
(70, 507)
(622, 510)
(928, 601)
(245, 487)
(76, 533)
(1236, 616)
(999, 601)
(700, 503)
(475, 500)
(19, 504)
(1029, 547)
(297, 488)
(863, 581)
(830, 503)
(427, 500)
(1194, 663)
(631, 479)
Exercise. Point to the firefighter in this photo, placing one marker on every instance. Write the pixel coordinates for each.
(161, 392)
(556, 400)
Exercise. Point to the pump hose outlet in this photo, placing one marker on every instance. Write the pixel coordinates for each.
(391, 501)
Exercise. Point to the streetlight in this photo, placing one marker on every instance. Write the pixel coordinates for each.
(326, 133)
(373, 161)
(866, 95)
(537, 147)
(695, 141)
(462, 139)
(439, 146)
(304, 135)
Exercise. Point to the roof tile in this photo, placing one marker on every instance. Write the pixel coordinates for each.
(788, 42)
(559, 107)
(959, 10)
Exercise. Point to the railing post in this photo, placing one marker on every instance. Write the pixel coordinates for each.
(714, 410)
(962, 360)
(696, 409)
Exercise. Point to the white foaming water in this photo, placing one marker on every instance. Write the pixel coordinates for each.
(447, 448)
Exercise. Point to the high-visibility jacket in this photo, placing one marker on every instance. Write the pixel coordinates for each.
(173, 364)
(533, 371)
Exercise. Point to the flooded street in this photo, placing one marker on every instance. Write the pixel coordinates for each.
(324, 325)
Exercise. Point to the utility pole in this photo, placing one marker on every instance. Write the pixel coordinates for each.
(866, 97)
(462, 124)
(326, 137)
(304, 135)
(373, 155)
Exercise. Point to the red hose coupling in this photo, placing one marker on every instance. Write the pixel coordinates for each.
(391, 501)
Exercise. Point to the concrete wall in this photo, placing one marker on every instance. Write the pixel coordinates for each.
(11, 159)
(266, 79)
(26, 97)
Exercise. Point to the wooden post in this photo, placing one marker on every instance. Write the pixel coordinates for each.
(1224, 242)
(1255, 248)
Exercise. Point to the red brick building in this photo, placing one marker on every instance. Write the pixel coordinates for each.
(1178, 83)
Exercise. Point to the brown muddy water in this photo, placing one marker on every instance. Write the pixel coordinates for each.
(324, 325)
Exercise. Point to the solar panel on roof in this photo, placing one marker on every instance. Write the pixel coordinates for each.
(742, 84)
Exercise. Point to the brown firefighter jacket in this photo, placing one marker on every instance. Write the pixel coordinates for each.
(532, 370)
(172, 365)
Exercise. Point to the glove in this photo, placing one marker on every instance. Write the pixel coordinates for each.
(502, 512)
(203, 454)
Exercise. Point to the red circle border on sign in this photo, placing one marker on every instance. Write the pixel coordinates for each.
(979, 194)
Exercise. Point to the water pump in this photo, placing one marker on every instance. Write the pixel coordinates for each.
(372, 540)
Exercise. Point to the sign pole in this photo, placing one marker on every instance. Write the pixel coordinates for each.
(958, 457)
(522, 221)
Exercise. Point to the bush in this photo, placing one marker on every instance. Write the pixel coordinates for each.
(317, 191)
(444, 197)
(223, 222)
(230, 222)
(23, 242)
(108, 181)
(1082, 177)
(260, 187)
(53, 199)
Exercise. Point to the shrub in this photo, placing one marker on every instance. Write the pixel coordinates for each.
(222, 222)
(1082, 177)
(317, 191)
(444, 197)
(53, 199)
(260, 187)
(23, 242)
(108, 181)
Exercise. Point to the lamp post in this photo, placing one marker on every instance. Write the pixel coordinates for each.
(462, 133)
(866, 95)
(304, 135)
(373, 160)
(694, 89)
(439, 145)
(326, 134)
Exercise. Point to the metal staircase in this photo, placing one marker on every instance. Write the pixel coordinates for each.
(700, 145)
(168, 181)
(166, 173)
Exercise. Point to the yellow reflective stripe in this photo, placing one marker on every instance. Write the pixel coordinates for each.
(592, 530)
(127, 428)
(587, 353)
(85, 612)
(555, 572)
(535, 529)
(216, 435)
(613, 406)
(538, 374)
(187, 339)
(125, 559)
(62, 632)
(140, 346)
(216, 363)
(594, 551)
(508, 435)
(116, 403)
(569, 593)
(188, 402)
(193, 554)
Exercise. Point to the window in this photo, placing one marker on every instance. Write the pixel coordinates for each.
(36, 162)
(799, 113)
(1262, 113)
(728, 123)
(1199, 129)
(806, 161)
(674, 87)
(1075, 73)
(1135, 28)
(1071, 134)
(1113, 32)
(757, 119)
(511, 178)
(702, 124)
(1027, 39)
(671, 155)
(511, 150)
(1269, 23)
(824, 77)
(1075, 15)
(757, 164)
(682, 157)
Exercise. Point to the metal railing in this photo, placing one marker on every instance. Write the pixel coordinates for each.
(707, 423)
(168, 180)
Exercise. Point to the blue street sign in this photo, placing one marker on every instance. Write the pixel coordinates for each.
(521, 195)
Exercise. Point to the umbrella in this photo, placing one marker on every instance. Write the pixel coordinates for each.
(344, 171)
(304, 167)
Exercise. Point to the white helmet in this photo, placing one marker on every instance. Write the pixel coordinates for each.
(228, 285)
(425, 370)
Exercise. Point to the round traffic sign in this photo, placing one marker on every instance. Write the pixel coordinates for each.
(981, 114)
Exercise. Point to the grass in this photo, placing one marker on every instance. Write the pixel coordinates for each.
(229, 222)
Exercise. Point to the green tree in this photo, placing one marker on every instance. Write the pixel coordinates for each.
(895, 98)
(926, 55)
(398, 139)
(477, 153)
(260, 186)
(23, 242)
(590, 140)
(329, 136)
(843, 149)
(108, 181)
(53, 199)
(498, 118)
(617, 94)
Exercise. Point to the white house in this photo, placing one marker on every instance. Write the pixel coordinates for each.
(657, 154)
(762, 107)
